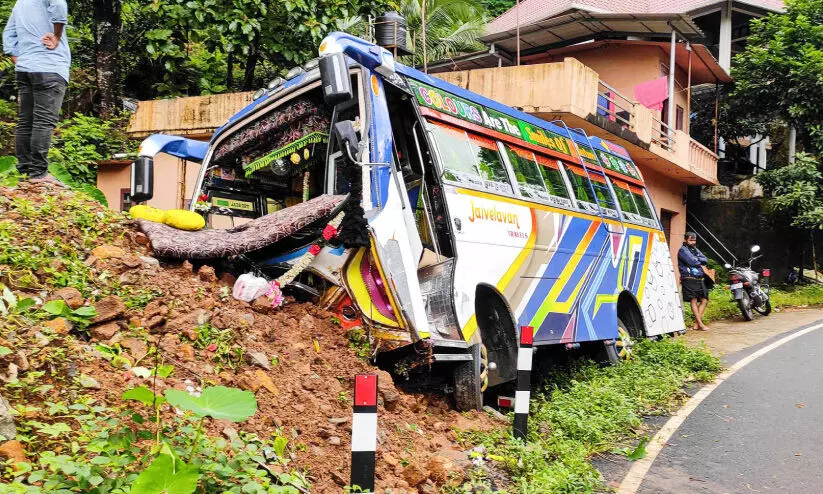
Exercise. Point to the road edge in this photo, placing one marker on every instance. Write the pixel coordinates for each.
(637, 473)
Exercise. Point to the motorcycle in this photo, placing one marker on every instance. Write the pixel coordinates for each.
(746, 287)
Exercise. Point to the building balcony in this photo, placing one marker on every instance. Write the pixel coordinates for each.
(573, 92)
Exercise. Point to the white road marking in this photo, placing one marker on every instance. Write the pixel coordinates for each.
(631, 482)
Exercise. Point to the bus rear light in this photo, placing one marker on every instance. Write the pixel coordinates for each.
(767, 272)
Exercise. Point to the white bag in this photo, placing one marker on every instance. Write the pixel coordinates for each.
(248, 287)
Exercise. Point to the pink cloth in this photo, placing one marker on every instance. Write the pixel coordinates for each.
(652, 94)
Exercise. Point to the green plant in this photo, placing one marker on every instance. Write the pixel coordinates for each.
(590, 409)
(359, 342)
(81, 316)
(220, 344)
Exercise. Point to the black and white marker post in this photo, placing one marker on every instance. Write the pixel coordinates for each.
(364, 432)
(525, 355)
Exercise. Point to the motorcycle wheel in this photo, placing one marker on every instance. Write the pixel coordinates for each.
(745, 305)
(765, 309)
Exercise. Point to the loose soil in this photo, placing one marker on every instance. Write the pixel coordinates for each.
(307, 393)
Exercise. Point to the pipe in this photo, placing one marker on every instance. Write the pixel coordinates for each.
(792, 142)
(670, 121)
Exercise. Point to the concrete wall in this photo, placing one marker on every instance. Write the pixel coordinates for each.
(668, 194)
(623, 69)
(174, 181)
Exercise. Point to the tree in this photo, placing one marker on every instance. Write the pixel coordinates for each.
(452, 27)
(777, 77)
(107, 22)
(496, 7)
(796, 192)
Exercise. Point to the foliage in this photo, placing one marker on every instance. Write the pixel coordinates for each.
(452, 27)
(721, 306)
(218, 402)
(777, 75)
(80, 316)
(497, 7)
(796, 192)
(81, 141)
(220, 344)
(593, 409)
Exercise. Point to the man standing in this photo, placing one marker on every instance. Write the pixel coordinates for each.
(690, 262)
(34, 38)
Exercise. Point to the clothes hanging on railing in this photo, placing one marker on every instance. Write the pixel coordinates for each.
(653, 93)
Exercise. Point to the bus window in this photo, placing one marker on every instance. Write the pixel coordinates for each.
(589, 199)
(624, 197)
(553, 178)
(490, 164)
(526, 172)
(644, 209)
(456, 154)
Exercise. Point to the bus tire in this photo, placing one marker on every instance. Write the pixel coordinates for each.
(467, 382)
(620, 349)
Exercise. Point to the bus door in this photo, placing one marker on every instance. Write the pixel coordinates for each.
(396, 242)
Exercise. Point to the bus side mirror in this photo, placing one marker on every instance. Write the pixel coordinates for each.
(334, 77)
(346, 136)
(142, 179)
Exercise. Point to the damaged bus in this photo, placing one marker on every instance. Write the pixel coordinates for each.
(462, 219)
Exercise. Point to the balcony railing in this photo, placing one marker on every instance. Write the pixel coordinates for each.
(702, 160)
(613, 105)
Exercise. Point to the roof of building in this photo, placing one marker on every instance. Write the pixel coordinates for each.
(532, 11)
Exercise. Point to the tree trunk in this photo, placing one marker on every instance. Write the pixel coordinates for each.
(107, 22)
(229, 70)
(251, 64)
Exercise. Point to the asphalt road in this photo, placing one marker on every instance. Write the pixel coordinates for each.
(759, 431)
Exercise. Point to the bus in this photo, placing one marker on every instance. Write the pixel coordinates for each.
(465, 219)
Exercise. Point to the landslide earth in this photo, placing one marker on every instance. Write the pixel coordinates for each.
(57, 244)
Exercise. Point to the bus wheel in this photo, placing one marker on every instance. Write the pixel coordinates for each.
(621, 349)
(470, 380)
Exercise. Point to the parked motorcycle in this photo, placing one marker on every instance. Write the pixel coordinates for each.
(747, 290)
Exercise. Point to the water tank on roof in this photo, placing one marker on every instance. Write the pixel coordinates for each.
(390, 31)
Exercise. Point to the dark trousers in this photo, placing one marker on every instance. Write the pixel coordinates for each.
(40, 96)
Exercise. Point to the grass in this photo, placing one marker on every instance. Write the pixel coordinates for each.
(722, 307)
(594, 409)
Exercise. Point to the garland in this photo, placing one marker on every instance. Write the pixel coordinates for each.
(275, 293)
(260, 163)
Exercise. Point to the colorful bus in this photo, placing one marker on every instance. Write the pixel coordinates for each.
(465, 219)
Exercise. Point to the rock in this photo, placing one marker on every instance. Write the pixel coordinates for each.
(186, 351)
(89, 262)
(107, 252)
(108, 308)
(88, 382)
(262, 305)
(141, 238)
(137, 348)
(231, 434)
(496, 415)
(260, 379)
(442, 470)
(7, 428)
(60, 325)
(22, 361)
(191, 320)
(259, 359)
(231, 319)
(11, 375)
(150, 262)
(71, 296)
(414, 474)
(334, 441)
(190, 333)
(390, 460)
(338, 421)
(57, 265)
(13, 450)
(131, 261)
(187, 266)
(339, 479)
(40, 339)
(307, 322)
(228, 279)
(104, 332)
(207, 274)
(385, 386)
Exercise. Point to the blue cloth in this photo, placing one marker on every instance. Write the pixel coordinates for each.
(30, 20)
(689, 261)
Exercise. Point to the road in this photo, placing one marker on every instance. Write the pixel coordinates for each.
(761, 430)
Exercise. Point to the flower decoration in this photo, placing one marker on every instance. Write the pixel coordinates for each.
(274, 292)
(329, 232)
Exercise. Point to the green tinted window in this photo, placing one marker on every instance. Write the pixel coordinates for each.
(625, 198)
(644, 209)
(552, 177)
(456, 154)
(490, 163)
(526, 172)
